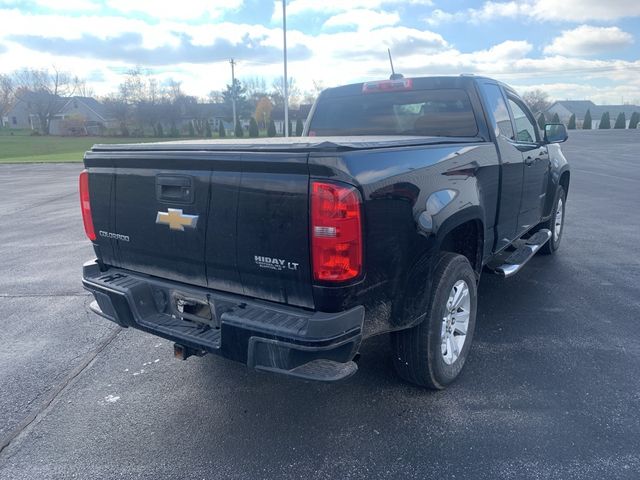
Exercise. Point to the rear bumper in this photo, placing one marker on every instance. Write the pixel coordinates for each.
(263, 335)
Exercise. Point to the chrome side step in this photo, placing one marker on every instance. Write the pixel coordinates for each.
(523, 254)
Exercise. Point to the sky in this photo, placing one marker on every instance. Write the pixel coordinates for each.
(572, 49)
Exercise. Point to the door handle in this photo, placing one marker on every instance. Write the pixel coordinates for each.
(529, 161)
(174, 188)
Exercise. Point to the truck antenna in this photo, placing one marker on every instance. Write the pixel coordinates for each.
(394, 75)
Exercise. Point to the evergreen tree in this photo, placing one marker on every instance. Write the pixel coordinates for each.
(572, 122)
(253, 128)
(621, 121)
(173, 132)
(221, 131)
(238, 131)
(605, 121)
(586, 124)
(635, 119)
(192, 132)
(159, 130)
(541, 121)
(555, 118)
(299, 128)
(207, 130)
(271, 130)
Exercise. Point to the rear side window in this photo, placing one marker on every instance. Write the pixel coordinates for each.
(525, 129)
(498, 108)
(437, 112)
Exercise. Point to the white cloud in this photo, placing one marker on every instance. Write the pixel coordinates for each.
(363, 19)
(587, 40)
(178, 10)
(299, 7)
(542, 10)
(333, 57)
(584, 10)
(68, 5)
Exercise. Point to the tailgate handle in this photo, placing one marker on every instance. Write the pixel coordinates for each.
(174, 188)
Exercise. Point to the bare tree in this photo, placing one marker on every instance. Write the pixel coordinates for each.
(216, 96)
(277, 94)
(174, 89)
(310, 96)
(43, 90)
(537, 100)
(256, 87)
(81, 88)
(6, 95)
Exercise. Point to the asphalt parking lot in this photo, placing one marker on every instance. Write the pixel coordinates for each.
(551, 389)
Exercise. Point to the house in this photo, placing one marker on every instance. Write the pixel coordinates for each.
(81, 116)
(69, 116)
(301, 113)
(565, 108)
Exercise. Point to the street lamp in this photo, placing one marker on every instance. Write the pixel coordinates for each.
(286, 81)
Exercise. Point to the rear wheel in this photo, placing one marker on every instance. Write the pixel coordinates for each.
(433, 353)
(555, 224)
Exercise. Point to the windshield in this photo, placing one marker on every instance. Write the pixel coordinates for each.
(435, 112)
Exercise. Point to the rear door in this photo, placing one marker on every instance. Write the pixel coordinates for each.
(511, 165)
(233, 221)
(536, 165)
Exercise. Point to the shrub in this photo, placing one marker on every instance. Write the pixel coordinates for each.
(238, 131)
(586, 124)
(299, 128)
(555, 118)
(192, 132)
(173, 132)
(635, 119)
(621, 121)
(271, 130)
(541, 121)
(159, 130)
(605, 121)
(221, 130)
(207, 130)
(253, 128)
(572, 122)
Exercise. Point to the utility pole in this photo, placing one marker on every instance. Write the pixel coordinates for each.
(233, 92)
(286, 78)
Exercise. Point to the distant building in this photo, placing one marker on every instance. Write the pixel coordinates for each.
(565, 108)
(71, 116)
(301, 113)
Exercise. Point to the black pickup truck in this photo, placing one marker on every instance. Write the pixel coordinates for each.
(285, 254)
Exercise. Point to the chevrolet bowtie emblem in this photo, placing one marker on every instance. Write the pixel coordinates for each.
(176, 219)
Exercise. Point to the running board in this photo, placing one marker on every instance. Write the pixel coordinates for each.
(523, 254)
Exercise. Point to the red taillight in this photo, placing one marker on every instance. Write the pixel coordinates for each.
(336, 232)
(388, 86)
(85, 204)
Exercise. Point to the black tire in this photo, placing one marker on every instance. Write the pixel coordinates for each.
(417, 352)
(554, 242)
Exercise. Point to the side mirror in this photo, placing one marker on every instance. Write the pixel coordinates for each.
(555, 133)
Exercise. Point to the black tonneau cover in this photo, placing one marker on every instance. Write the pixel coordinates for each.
(280, 144)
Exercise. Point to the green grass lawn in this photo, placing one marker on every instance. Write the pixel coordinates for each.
(19, 146)
(24, 148)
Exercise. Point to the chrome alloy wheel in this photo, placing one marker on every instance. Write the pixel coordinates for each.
(558, 220)
(456, 322)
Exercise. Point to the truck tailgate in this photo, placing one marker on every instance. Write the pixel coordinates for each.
(232, 221)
